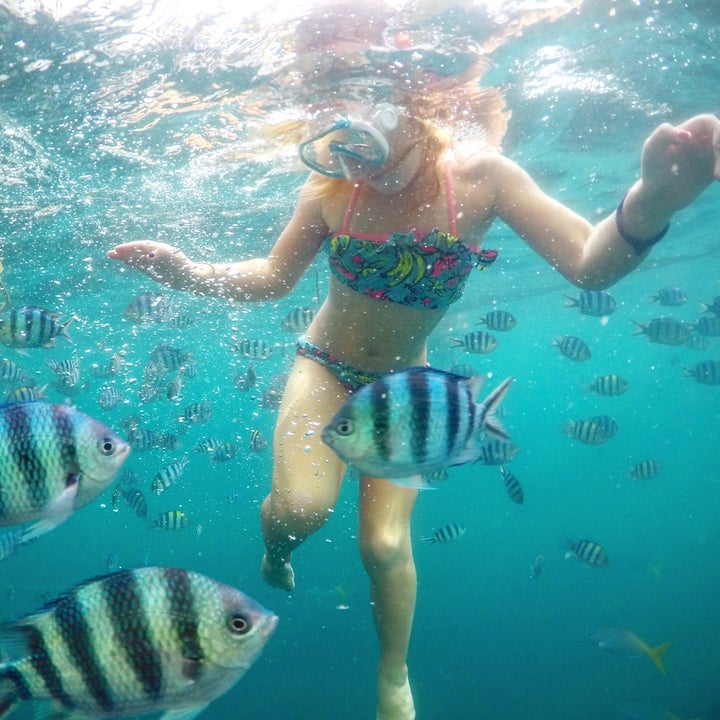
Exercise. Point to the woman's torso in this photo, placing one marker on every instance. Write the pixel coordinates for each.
(375, 334)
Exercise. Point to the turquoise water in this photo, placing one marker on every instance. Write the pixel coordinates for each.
(120, 122)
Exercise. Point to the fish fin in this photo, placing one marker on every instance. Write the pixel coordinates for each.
(182, 714)
(63, 329)
(417, 482)
(55, 512)
(490, 422)
(656, 655)
(15, 644)
(52, 711)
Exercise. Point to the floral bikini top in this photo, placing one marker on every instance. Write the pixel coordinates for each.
(425, 270)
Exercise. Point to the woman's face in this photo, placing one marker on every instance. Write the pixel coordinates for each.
(400, 167)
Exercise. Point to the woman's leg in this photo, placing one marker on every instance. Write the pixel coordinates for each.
(307, 474)
(386, 550)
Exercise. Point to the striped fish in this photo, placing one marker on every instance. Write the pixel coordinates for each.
(714, 306)
(53, 460)
(146, 439)
(572, 348)
(664, 330)
(170, 520)
(133, 642)
(258, 442)
(451, 531)
(109, 397)
(414, 422)
(587, 551)
(199, 412)
(26, 393)
(227, 451)
(13, 374)
(706, 372)
(609, 385)
(708, 325)
(500, 320)
(32, 327)
(149, 308)
(598, 303)
(298, 319)
(169, 475)
(252, 349)
(646, 470)
(165, 358)
(478, 342)
(586, 431)
(512, 485)
(670, 297)
(133, 497)
(607, 425)
(497, 452)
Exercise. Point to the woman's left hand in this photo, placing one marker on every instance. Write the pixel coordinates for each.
(680, 161)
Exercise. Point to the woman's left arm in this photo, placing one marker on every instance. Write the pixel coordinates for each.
(678, 163)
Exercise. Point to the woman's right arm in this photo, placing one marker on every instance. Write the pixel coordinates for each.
(255, 279)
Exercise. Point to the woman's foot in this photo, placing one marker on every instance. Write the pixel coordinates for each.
(395, 701)
(279, 576)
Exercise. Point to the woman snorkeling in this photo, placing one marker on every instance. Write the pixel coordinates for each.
(401, 211)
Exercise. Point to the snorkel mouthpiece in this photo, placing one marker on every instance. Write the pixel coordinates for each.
(363, 142)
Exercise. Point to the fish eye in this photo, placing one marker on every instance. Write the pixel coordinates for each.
(344, 427)
(238, 624)
(106, 446)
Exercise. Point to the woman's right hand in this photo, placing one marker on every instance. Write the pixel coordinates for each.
(161, 262)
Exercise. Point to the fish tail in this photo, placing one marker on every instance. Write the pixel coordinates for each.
(65, 333)
(492, 402)
(655, 654)
(571, 302)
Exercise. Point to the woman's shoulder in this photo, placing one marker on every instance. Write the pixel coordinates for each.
(471, 162)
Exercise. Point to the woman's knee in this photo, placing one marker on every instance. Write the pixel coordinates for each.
(384, 547)
(296, 511)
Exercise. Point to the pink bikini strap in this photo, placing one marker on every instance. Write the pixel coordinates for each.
(450, 195)
(350, 209)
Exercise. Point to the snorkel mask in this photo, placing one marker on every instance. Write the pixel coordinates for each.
(326, 151)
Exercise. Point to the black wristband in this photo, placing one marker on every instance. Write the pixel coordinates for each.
(637, 244)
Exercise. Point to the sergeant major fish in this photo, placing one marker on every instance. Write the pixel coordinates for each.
(597, 303)
(451, 531)
(32, 327)
(53, 459)
(134, 642)
(587, 551)
(411, 423)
